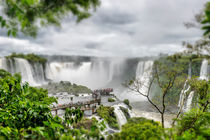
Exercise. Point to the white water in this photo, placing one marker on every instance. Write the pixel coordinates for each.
(3, 64)
(204, 70)
(121, 119)
(183, 94)
(24, 68)
(38, 73)
(203, 76)
(94, 74)
(143, 75)
(34, 75)
(189, 101)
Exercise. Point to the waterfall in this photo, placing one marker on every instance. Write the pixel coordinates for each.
(204, 70)
(183, 94)
(31, 73)
(203, 76)
(189, 101)
(115, 69)
(94, 74)
(23, 67)
(121, 119)
(186, 88)
(143, 75)
(3, 63)
(68, 71)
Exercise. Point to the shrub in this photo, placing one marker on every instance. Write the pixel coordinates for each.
(126, 101)
(30, 57)
(107, 113)
(111, 100)
(139, 129)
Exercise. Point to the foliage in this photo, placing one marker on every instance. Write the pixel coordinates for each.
(93, 126)
(139, 129)
(21, 112)
(72, 116)
(27, 15)
(66, 87)
(206, 19)
(164, 75)
(111, 100)
(193, 125)
(126, 101)
(25, 113)
(4, 73)
(125, 112)
(107, 113)
(183, 62)
(199, 47)
(30, 57)
(201, 90)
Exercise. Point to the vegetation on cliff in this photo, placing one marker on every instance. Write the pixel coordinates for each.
(183, 62)
(125, 112)
(32, 58)
(107, 113)
(65, 86)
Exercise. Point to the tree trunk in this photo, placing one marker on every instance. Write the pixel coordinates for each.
(162, 119)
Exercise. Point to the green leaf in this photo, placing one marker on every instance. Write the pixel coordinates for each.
(9, 33)
(3, 23)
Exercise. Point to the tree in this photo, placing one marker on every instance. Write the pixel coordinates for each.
(139, 129)
(202, 20)
(199, 48)
(206, 20)
(165, 76)
(27, 15)
(195, 123)
(25, 113)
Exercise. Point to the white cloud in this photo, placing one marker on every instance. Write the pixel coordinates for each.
(9, 45)
(118, 28)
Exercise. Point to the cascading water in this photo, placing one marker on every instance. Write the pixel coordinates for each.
(143, 75)
(57, 71)
(203, 76)
(24, 68)
(189, 101)
(121, 119)
(38, 73)
(183, 94)
(94, 74)
(185, 90)
(204, 70)
(3, 63)
(33, 74)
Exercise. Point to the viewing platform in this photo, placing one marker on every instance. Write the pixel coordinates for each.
(106, 91)
(85, 102)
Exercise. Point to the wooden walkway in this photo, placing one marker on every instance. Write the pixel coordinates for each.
(82, 105)
(86, 105)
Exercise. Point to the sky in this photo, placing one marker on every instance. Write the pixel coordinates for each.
(119, 28)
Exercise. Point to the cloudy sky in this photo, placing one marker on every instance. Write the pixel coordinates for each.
(118, 28)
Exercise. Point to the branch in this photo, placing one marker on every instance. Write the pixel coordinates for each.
(158, 79)
(137, 89)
